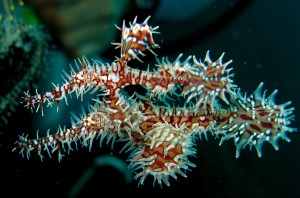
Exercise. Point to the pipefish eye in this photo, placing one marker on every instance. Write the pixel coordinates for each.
(136, 28)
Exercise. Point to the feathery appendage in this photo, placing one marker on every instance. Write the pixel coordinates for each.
(255, 119)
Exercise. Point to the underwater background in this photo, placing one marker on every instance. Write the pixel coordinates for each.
(262, 38)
